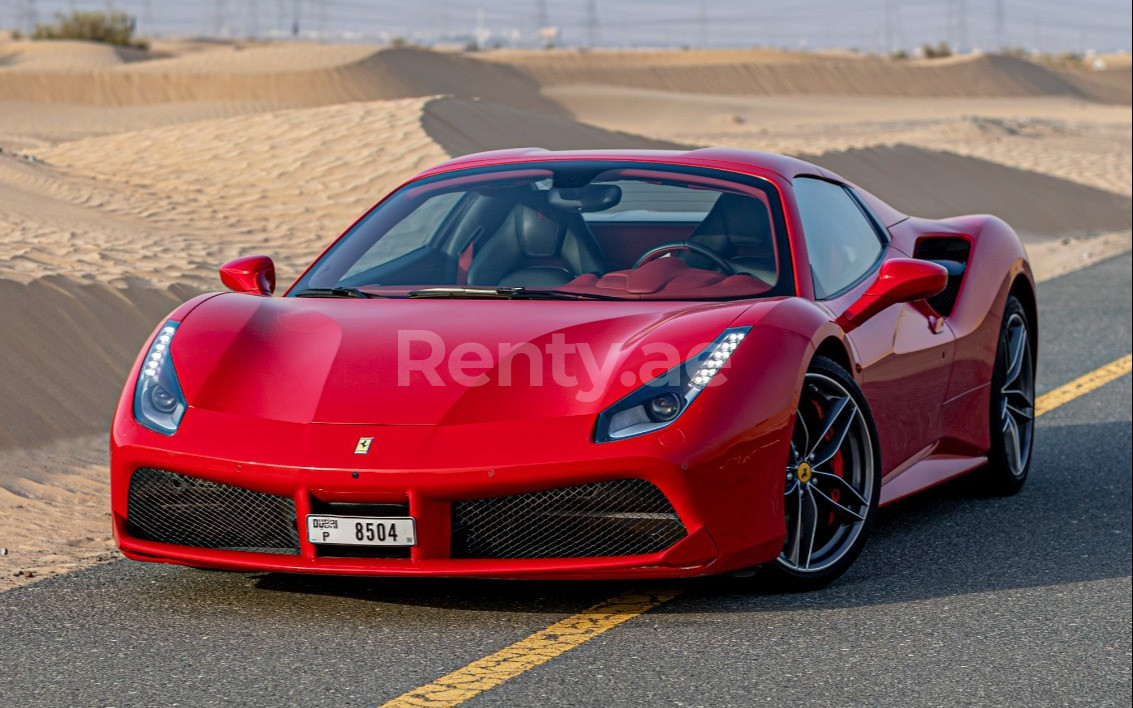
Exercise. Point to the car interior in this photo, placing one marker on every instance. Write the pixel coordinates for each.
(615, 237)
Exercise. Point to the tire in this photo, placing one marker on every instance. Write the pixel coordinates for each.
(833, 481)
(1012, 399)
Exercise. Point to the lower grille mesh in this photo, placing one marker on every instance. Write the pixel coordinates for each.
(174, 508)
(617, 518)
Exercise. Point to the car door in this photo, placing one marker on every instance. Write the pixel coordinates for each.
(905, 353)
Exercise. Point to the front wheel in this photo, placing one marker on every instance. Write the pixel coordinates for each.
(833, 481)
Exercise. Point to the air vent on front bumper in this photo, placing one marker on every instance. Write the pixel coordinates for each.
(616, 518)
(187, 511)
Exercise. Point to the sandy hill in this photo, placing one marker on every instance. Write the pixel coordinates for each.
(1108, 86)
(766, 73)
(63, 372)
(936, 184)
(461, 126)
(276, 75)
(64, 55)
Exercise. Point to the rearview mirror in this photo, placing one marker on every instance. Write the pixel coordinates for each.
(254, 275)
(900, 280)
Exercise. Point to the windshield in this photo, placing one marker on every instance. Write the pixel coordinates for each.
(574, 229)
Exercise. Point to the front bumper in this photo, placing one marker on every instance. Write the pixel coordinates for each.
(731, 510)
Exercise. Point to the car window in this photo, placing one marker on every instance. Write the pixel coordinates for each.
(650, 201)
(599, 229)
(410, 233)
(842, 242)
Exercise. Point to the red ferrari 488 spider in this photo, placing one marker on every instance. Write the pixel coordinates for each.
(583, 365)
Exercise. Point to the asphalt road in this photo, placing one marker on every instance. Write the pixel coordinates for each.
(957, 599)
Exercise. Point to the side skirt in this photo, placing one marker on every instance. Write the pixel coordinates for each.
(929, 472)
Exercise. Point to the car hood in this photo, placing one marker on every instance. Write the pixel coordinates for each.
(430, 362)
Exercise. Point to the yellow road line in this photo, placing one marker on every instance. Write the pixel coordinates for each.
(1084, 384)
(539, 648)
(511, 661)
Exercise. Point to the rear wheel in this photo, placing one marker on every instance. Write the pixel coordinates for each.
(833, 481)
(1012, 404)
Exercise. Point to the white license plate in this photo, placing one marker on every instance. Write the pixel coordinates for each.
(361, 530)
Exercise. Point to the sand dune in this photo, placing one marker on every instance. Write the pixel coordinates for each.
(1109, 86)
(283, 182)
(280, 76)
(64, 55)
(1078, 141)
(460, 126)
(25, 125)
(763, 73)
(68, 346)
(940, 184)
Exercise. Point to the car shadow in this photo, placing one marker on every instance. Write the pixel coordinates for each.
(1070, 524)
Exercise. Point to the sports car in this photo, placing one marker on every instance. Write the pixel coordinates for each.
(606, 364)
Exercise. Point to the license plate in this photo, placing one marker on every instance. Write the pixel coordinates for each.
(361, 530)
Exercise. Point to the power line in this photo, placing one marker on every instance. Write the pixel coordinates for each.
(873, 24)
(703, 23)
(218, 25)
(962, 40)
(1000, 23)
(252, 29)
(889, 25)
(592, 23)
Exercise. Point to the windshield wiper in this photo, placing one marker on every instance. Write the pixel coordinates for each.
(333, 292)
(504, 293)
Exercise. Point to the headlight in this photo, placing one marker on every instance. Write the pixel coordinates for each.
(158, 401)
(663, 400)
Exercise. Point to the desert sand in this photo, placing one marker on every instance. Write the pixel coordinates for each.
(127, 177)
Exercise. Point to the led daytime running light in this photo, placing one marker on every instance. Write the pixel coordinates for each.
(151, 370)
(717, 357)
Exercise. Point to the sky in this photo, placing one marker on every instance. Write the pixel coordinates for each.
(870, 25)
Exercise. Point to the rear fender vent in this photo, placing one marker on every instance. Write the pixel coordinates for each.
(952, 252)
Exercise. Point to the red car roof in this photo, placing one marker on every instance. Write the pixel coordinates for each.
(745, 160)
(752, 162)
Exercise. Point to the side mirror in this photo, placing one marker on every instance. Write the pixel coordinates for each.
(254, 275)
(900, 280)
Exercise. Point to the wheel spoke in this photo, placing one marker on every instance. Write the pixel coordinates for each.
(1017, 397)
(1019, 403)
(842, 484)
(1016, 348)
(796, 540)
(838, 508)
(800, 422)
(810, 509)
(832, 414)
(838, 423)
(1011, 431)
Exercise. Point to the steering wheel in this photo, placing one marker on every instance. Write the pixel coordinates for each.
(657, 251)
